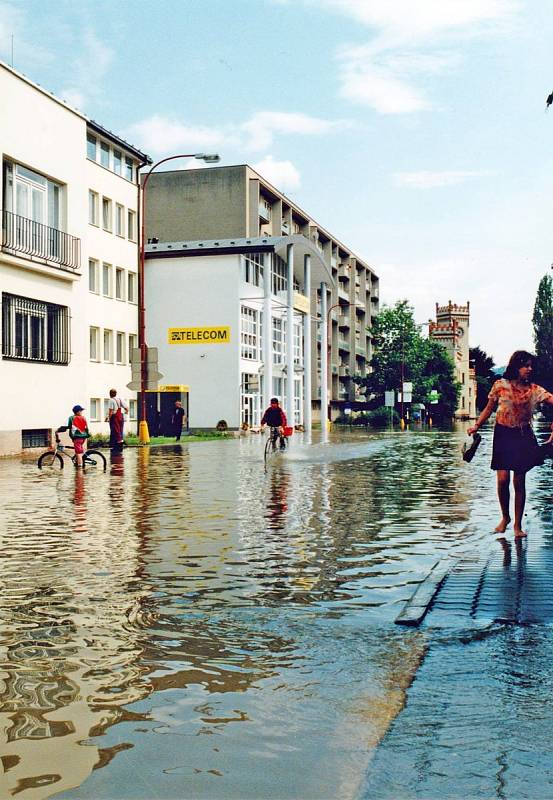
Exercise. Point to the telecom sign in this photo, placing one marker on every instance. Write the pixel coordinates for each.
(219, 335)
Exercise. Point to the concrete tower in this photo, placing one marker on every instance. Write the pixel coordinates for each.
(451, 330)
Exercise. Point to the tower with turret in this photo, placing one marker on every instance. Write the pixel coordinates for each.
(451, 330)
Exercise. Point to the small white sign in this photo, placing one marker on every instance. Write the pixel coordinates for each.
(389, 399)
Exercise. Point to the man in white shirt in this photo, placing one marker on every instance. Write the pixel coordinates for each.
(117, 408)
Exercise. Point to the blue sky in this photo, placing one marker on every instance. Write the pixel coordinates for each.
(414, 130)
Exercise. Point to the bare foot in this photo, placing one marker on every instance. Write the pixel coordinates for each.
(502, 527)
(520, 534)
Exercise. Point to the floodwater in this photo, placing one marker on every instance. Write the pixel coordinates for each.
(188, 625)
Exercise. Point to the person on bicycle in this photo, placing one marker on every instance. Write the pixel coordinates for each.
(275, 417)
(79, 433)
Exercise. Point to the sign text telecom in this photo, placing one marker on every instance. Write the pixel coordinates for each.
(220, 335)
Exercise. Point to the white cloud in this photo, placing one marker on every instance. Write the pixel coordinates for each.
(158, 134)
(262, 127)
(280, 173)
(94, 59)
(412, 40)
(430, 180)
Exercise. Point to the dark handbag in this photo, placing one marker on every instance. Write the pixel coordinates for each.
(468, 452)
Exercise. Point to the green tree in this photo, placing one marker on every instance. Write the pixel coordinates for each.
(542, 321)
(485, 376)
(401, 352)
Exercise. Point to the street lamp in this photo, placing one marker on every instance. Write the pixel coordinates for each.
(209, 158)
(328, 347)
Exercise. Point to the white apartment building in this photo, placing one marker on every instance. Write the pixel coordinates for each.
(68, 264)
(232, 321)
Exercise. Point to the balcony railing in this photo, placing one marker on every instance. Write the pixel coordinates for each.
(32, 239)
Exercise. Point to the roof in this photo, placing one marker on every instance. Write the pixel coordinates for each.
(98, 128)
(320, 270)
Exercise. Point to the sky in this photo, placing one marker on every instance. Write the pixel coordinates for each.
(415, 131)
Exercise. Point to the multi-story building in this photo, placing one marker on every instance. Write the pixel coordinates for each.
(451, 330)
(68, 263)
(198, 215)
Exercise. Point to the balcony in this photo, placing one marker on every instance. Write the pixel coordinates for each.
(360, 350)
(343, 343)
(30, 239)
(285, 227)
(343, 295)
(344, 371)
(265, 211)
(343, 272)
(334, 369)
(343, 320)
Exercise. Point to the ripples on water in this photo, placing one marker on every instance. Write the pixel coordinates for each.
(189, 626)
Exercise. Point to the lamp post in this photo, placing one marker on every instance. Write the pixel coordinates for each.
(209, 158)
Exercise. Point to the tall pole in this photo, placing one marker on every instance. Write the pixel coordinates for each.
(267, 331)
(143, 434)
(324, 369)
(290, 394)
(307, 345)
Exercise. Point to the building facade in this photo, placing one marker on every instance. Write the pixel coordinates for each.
(451, 330)
(68, 264)
(202, 208)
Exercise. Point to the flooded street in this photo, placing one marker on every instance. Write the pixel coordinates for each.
(189, 626)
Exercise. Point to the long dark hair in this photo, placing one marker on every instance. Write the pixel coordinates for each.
(519, 359)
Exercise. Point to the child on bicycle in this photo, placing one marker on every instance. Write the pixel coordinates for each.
(79, 433)
(275, 417)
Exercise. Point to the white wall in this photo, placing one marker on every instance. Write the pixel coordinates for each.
(197, 292)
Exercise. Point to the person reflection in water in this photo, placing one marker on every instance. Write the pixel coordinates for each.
(515, 448)
(278, 500)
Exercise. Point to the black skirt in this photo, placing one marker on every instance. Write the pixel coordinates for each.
(514, 449)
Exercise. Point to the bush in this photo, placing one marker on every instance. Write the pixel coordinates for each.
(380, 417)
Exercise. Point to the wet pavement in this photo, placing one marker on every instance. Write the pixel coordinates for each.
(187, 626)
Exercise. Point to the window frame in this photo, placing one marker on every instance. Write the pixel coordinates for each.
(120, 295)
(94, 270)
(131, 225)
(107, 204)
(132, 278)
(93, 208)
(107, 269)
(93, 330)
(120, 220)
(107, 336)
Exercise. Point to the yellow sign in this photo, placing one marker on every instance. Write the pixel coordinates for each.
(301, 303)
(171, 387)
(220, 335)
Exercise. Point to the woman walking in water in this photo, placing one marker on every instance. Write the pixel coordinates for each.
(515, 448)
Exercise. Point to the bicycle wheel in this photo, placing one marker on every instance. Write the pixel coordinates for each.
(50, 460)
(93, 458)
(269, 449)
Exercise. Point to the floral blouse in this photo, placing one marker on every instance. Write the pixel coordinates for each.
(516, 404)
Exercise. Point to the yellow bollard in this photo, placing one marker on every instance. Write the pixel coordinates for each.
(429, 422)
(143, 433)
(402, 424)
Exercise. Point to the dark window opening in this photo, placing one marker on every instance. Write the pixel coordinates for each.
(35, 331)
(36, 437)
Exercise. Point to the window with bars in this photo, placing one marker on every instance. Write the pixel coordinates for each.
(298, 341)
(35, 331)
(279, 281)
(249, 333)
(251, 268)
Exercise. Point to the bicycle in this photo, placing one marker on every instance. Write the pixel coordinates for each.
(275, 443)
(54, 459)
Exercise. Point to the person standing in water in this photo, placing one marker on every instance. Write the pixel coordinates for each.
(515, 448)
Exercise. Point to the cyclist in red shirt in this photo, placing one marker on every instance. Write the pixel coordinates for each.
(275, 417)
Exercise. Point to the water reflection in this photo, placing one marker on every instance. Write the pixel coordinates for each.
(187, 593)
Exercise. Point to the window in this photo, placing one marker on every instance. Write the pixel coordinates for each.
(251, 269)
(106, 407)
(119, 220)
(104, 154)
(94, 409)
(279, 281)
(249, 333)
(117, 161)
(91, 147)
(131, 287)
(297, 343)
(106, 214)
(120, 284)
(120, 348)
(93, 276)
(37, 437)
(106, 280)
(131, 233)
(129, 171)
(278, 340)
(92, 207)
(34, 331)
(94, 346)
(132, 409)
(108, 345)
(133, 344)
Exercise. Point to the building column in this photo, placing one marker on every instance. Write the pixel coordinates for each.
(267, 331)
(324, 358)
(290, 336)
(307, 345)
